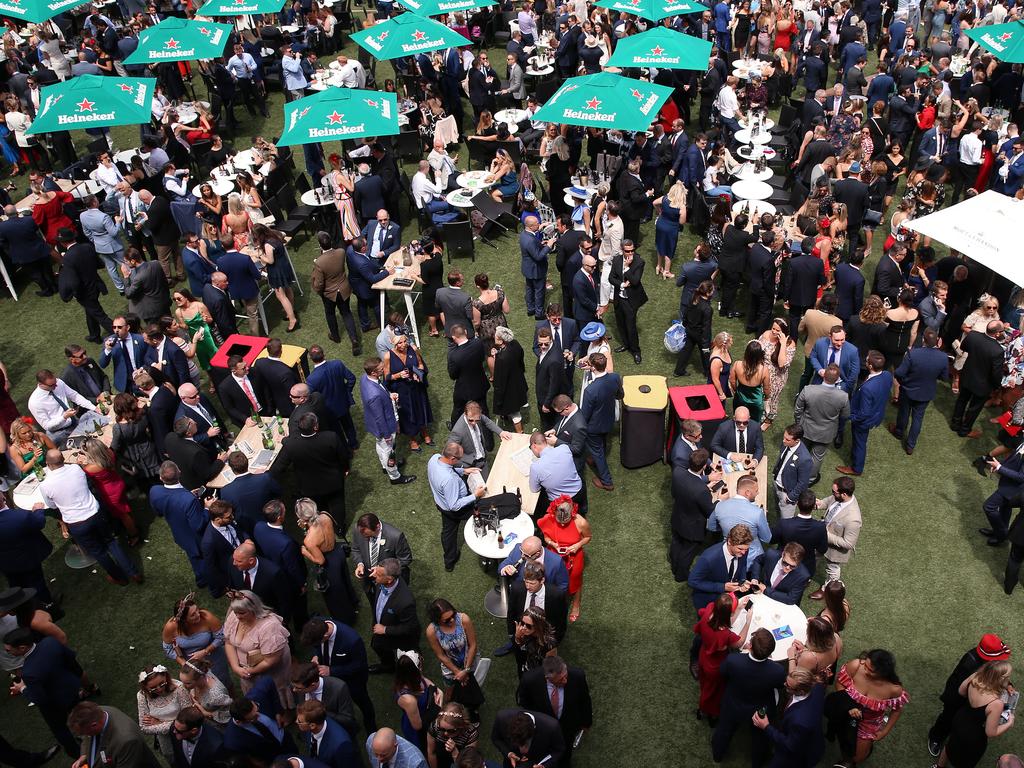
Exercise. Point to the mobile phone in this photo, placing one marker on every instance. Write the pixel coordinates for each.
(1010, 705)
(718, 486)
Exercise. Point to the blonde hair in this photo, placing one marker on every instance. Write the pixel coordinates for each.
(235, 204)
(677, 195)
(560, 147)
(721, 340)
(98, 453)
(245, 600)
(306, 511)
(993, 676)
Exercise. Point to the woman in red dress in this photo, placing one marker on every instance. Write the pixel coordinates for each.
(566, 532)
(716, 640)
(48, 212)
(100, 465)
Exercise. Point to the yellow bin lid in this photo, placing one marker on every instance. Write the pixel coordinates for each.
(645, 393)
(290, 354)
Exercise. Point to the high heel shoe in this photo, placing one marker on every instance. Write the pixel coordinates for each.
(294, 327)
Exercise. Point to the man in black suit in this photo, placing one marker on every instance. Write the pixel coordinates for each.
(321, 461)
(396, 626)
(164, 358)
(307, 400)
(196, 744)
(710, 85)
(277, 378)
(340, 652)
(751, 683)
(162, 407)
(809, 533)
(79, 280)
(161, 225)
(813, 108)
(761, 279)
(198, 463)
(853, 193)
(568, 257)
(737, 438)
(83, 374)
(369, 194)
(850, 285)
(561, 692)
(218, 301)
(528, 736)
(218, 544)
(981, 375)
(466, 369)
(308, 683)
(691, 508)
(586, 297)
(242, 392)
(805, 275)
(633, 200)
(550, 380)
(814, 153)
(889, 280)
(277, 545)
(260, 575)
(626, 275)
(483, 86)
(534, 592)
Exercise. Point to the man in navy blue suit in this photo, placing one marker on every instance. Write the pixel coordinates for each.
(244, 279)
(783, 574)
(247, 493)
(1000, 503)
(326, 740)
(383, 236)
(24, 547)
(281, 549)
(533, 261)
(834, 349)
(751, 683)
(809, 533)
(127, 350)
(253, 729)
(184, 514)
(262, 577)
(918, 374)
(806, 274)
(867, 410)
(335, 382)
(197, 406)
(798, 739)
(218, 544)
(721, 567)
(204, 742)
(362, 274)
(164, 357)
(598, 409)
(565, 334)
(735, 436)
(792, 472)
(340, 652)
(585, 295)
(850, 286)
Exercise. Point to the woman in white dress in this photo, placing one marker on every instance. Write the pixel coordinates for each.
(250, 197)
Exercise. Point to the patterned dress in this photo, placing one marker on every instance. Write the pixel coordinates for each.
(779, 375)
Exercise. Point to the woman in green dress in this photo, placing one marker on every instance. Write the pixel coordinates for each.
(750, 380)
(194, 315)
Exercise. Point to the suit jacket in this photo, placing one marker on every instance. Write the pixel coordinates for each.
(516, 82)
(378, 410)
(23, 545)
(247, 494)
(853, 193)
(121, 741)
(237, 403)
(888, 280)
(209, 750)
(573, 432)
(198, 463)
(849, 290)
(466, 369)
(750, 685)
(23, 241)
(216, 552)
(806, 273)
(369, 198)
(547, 738)
(160, 414)
(75, 377)
(330, 275)
(184, 514)
(347, 659)
(577, 710)
(393, 544)
(599, 400)
(724, 441)
(460, 434)
(812, 109)
(391, 242)
(146, 291)
(335, 382)
(219, 304)
(277, 379)
(867, 406)
(798, 739)
(271, 585)
(79, 277)
(819, 409)
(457, 307)
(203, 424)
(243, 741)
(790, 589)
(710, 573)
(398, 615)
(276, 545)
(983, 371)
(122, 366)
(173, 363)
(632, 197)
(243, 276)
(550, 379)
(556, 607)
(568, 338)
(314, 404)
(160, 222)
(814, 153)
(197, 269)
(533, 255)
(849, 363)
(554, 567)
(584, 298)
(52, 675)
(336, 748)
(843, 531)
(815, 72)
(796, 476)
(319, 461)
(761, 271)
(921, 369)
(807, 532)
(691, 505)
(636, 296)
(481, 93)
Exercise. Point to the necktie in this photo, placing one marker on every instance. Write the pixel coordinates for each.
(90, 384)
(247, 580)
(374, 551)
(558, 336)
(325, 653)
(385, 764)
(248, 393)
(61, 403)
(832, 352)
(778, 579)
(590, 277)
(555, 699)
(533, 599)
(233, 538)
(833, 509)
(741, 443)
(732, 569)
(314, 746)
(127, 355)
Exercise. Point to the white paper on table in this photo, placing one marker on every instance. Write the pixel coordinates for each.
(474, 481)
(522, 460)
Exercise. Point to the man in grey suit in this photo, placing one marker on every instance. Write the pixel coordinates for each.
(467, 432)
(332, 692)
(516, 91)
(819, 409)
(373, 541)
(145, 286)
(105, 237)
(455, 305)
(843, 522)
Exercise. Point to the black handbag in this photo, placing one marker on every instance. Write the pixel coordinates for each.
(874, 218)
(506, 504)
(470, 695)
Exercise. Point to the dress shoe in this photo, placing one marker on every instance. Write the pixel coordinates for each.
(623, 348)
(334, 337)
(94, 339)
(503, 650)
(848, 471)
(934, 748)
(357, 350)
(894, 431)
(838, 442)
(995, 541)
(908, 450)
(1008, 588)
(694, 672)
(118, 582)
(637, 359)
(294, 328)
(735, 315)
(814, 480)
(981, 465)
(986, 532)
(403, 479)
(974, 434)
(599, 483)
(818, 594)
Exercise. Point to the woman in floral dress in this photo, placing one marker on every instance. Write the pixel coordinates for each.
(779, 350)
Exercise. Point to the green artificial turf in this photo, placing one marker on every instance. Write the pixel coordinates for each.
(922, 582)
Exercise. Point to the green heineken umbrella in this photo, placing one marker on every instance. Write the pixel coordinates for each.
(655, 10)
(437, 7)
(605, 100)
(663, 48)
(36, 11)
(1005, 41)
(239, 7)
(94, 101)
(339, 113)
(407, 35)
(175, 39)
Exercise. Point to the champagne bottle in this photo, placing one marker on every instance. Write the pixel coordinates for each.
(268, 438)
(256, 418)
(280, 426)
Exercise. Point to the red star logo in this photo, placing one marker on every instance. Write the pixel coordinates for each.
(1006, 36)
(418, 35)
(303, 112)
(16, 2)
(636, 94)
(171, 43)
(370, 102)
(593, 103)
(657, 50)
(634, 3)
(334, 117)
(127, 88)
(85, 105)
(383, 35)
(204, 31)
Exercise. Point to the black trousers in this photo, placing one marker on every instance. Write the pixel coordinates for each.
(1012, 576)
(18, 758)
(944, 722)
(41, 272)
(361, 697)
(759, 313)
(683, 359)
(335, 504)
(730, 286)
(33, 578)
(729, 721)
(450, 523)
(331, 308)
(97, 321)
(966, 411)
(795, 313)
(631, 230)
(681, 554)
(253, 100)
(625, 318)
(367, 309)
(56, 718)
(964, 176)
(704, 116)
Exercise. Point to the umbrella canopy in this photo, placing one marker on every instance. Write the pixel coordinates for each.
(339, 113)
(663, 48)
(605, 100)
(36, 11)
(239, 7)
(655, 10)
(407, 35)
(437, 7)
(94, 101)
(175, 39)
(1005, 41)
(985, 227)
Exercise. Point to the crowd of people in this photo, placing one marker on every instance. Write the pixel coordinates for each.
(271, 682)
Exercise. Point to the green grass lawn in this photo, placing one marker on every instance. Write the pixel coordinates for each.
(922, 582)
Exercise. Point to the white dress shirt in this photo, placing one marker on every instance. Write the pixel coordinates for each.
(423, 189)
(66, 489)
(970, 149)
(47, 408)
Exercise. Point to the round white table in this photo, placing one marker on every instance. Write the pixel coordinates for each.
(460, 198)
(244, 159)
(512, 116)
(786, 622)
(746, 172)
(753, 208)
(126, 155)
(474, 180)
(87, 187)
(539, 72)
(220, 187)
(766, 124)
(752, 190)
(187, 115)
(744, 136)
(291, 29)
(514, 530)
(756, 151)
(744, 68)
(317, 197)
(27, 493)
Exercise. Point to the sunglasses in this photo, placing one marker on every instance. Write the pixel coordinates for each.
(528, 626)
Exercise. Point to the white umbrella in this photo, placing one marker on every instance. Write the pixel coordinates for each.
(986, 228)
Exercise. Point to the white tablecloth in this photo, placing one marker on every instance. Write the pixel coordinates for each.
(514, 530)
(785, 622)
